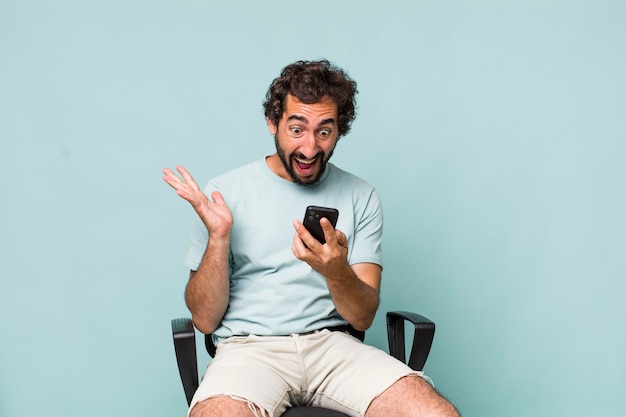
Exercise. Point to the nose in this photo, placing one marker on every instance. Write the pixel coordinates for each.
(308, 145)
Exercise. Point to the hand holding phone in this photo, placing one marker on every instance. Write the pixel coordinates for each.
(312, 217)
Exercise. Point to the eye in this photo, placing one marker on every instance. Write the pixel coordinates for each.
(296, 131)
(324, 133)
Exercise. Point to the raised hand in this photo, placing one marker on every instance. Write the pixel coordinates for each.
(215, 214)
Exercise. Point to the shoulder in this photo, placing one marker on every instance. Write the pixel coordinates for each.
(235, 176)
(349, 184)
(340, 176)
(238, 172)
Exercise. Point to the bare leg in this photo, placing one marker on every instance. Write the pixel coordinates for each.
(411, 396)
(224, 407)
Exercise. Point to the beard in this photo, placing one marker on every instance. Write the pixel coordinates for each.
(288, 161)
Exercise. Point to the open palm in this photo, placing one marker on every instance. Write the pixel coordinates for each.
(215, 214)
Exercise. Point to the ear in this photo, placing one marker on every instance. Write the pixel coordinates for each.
(272, 127)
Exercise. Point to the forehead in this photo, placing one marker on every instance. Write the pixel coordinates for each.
(323, 109)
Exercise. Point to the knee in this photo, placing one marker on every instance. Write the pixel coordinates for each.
(449, 410)
(412, 397)
(223, 407)
(438, 404)
(201, 409)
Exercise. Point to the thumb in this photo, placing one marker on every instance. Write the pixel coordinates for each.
(217, 197)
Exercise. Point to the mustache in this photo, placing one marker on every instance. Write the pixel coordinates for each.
(300, 155)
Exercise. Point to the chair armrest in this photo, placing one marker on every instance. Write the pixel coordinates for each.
(184, 336)
(209, 345)
(422, 338)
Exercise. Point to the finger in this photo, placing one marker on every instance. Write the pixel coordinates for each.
(342, 239)
(171, 178)
(309, 242)
(187, 177)
(183, 189)
(297, 247)
(329, 230)
(167, 173)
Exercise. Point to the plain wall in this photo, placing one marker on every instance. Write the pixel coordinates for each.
(493, 130)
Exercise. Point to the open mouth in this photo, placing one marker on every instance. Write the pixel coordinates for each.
(306, 166)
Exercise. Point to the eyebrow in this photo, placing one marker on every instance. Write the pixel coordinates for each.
(330, 120)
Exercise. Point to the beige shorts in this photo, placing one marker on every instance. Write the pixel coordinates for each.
(325, 369)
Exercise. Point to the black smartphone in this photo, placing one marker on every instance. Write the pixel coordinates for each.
(312, 218)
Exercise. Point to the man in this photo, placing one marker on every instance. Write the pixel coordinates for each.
(276, 300)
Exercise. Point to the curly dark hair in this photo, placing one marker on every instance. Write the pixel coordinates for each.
(310, 82)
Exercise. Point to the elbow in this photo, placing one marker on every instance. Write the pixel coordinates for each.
(362, 325)
(364, 322)
(204, 326)
(365, 319)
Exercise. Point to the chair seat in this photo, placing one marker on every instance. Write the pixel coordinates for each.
(311, 412)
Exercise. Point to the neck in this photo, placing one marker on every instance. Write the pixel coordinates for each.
(276, 166)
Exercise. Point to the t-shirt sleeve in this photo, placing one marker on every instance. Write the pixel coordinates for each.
(367, 246)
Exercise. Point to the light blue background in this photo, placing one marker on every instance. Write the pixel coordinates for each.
(493, 130)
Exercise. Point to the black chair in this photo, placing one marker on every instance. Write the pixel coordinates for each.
(424, 330)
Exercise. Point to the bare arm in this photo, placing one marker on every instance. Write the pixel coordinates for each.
(207, 291)
(354, 289)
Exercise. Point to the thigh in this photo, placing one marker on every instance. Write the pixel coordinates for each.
(257, 372)
(348, 374)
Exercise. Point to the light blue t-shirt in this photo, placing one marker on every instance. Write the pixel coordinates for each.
(272, 292)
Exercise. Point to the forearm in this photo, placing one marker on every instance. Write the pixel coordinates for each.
(207, 292)
(355, 300)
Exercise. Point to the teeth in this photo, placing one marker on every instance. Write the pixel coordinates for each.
(305, 161)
